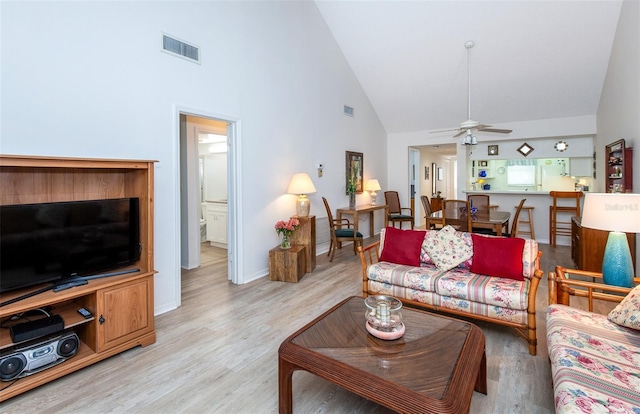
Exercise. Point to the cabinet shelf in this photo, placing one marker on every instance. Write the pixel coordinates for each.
(619, 170)
(68, 311)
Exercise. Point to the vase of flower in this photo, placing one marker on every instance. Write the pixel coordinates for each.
(286, 229)
(351, 190)
(285, 243)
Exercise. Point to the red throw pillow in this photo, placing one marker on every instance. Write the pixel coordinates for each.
(497, 256)
(402, 246)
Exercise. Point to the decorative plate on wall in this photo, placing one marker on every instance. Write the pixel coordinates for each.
(525, 149)
(561, 146)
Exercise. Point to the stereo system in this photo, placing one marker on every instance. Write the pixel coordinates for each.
(37, 355)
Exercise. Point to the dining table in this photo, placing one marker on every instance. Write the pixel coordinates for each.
(494, 220)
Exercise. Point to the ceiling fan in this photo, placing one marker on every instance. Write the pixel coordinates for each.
(467, 127)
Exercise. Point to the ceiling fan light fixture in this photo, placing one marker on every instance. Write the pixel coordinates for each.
(470, 139)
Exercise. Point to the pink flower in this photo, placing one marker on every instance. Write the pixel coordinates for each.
(287, 227)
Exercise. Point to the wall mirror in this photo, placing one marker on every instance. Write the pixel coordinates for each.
(433, 178)
(354, 167)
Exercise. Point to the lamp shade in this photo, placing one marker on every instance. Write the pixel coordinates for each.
(373, 185)
(612, 212)
(619, 214)
(302, 185)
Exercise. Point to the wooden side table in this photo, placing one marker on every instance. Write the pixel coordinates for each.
(306, 236)
(287, 265)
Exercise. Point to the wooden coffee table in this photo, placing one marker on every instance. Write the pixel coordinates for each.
(433, 368)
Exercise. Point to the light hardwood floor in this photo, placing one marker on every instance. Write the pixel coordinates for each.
(217, 353)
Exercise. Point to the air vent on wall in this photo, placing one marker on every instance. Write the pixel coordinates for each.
(347, 110)
(181, 49)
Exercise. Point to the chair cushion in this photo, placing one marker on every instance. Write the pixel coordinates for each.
(399, 217)
(497, 256)
(402, 246)
(346, 233)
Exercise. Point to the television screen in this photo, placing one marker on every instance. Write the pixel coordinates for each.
(48, 242)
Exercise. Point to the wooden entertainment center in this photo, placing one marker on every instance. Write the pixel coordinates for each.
(121, 306)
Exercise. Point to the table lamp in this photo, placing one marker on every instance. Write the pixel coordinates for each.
(619, 214)
(373, 185)
(301, 185)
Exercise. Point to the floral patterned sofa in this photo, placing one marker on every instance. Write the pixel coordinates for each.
(484, 277)
(595, 358)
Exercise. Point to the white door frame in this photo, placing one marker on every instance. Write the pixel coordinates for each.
(234, 183)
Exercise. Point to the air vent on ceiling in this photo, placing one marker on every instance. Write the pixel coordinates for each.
(181, 49)
(347, 110)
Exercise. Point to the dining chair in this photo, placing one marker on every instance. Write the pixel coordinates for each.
(479, 201)
(516, 218)
(341, 231)
(426, 204)
(395, 214)
(562, 228)
(456, 213)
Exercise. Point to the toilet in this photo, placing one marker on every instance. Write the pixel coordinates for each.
(203, 222)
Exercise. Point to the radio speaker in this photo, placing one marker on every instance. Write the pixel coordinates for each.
(37, 355)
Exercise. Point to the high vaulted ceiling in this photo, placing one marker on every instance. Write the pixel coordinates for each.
(531, 60)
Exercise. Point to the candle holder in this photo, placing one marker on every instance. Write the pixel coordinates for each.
(383, 317)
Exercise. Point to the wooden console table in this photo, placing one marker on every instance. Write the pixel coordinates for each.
(364, 209)
(587, 246)
(306, 236)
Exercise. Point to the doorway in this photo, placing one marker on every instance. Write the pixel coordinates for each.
(194, 129)
(436, 172)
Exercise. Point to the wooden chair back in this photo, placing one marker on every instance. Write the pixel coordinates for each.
(516, 217)
(456, 213)
(392, 200)
(479, 201)
(426, 205)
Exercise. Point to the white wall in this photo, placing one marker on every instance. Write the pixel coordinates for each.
(620, 101)
(88, 79)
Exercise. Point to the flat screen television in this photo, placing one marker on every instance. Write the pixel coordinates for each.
(50, 242)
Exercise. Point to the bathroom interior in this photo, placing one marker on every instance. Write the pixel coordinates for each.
(212, 155)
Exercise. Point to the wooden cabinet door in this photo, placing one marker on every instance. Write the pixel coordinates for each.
(124, 312)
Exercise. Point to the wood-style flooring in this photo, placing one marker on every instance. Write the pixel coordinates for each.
(217, 353)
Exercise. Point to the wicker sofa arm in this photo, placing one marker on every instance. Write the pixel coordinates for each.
(562, 287)
(368, 256)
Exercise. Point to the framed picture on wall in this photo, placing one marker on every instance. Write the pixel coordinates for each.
(426, 173)
(354, 168)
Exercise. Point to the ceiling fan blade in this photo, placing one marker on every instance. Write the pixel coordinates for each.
(437, 131)
(460, 133)
(496, 130)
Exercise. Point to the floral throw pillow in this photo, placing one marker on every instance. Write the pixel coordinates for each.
(627, 313)
(447, 250)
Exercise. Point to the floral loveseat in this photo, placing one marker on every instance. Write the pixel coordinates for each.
(595, 358)
(484, 277)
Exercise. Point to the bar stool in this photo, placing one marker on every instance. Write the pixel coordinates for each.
(531, 232)
(562, 228)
